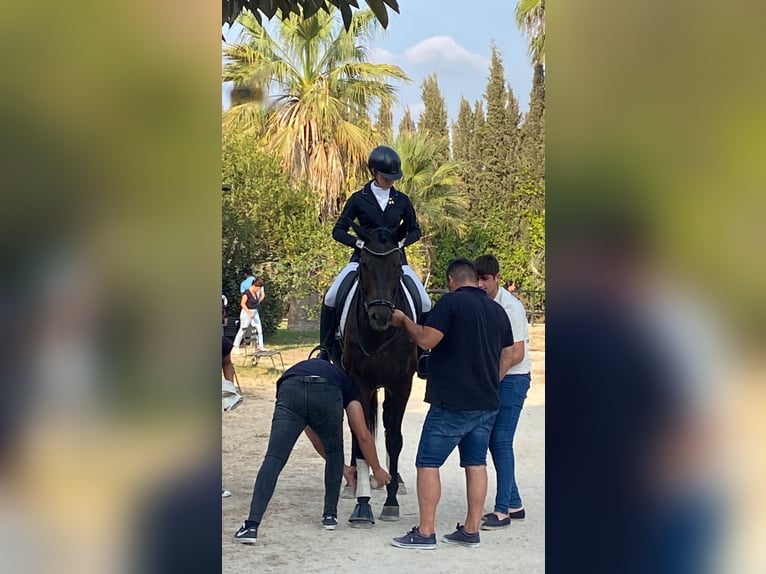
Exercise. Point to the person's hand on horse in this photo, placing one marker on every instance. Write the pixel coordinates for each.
(397, 318)
(381, 476)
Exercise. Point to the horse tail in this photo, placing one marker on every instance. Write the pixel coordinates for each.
(372, 413)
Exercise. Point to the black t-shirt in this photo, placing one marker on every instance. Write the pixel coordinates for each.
(464, 369)
(322, 368)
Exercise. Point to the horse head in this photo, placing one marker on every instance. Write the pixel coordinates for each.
(380, 270)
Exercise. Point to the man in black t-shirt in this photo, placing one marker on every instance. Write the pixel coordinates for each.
(471, 342)
(311, 396)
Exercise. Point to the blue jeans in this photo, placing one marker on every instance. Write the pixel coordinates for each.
(513, 391)
(444, 429)
(318, 405)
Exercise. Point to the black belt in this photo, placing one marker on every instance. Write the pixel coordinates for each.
(309, 379)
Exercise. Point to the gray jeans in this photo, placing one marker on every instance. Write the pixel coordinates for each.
(301, 403)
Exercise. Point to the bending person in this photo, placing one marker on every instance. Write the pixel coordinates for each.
(311, 396)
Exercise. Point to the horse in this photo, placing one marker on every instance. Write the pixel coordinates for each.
(378, 355)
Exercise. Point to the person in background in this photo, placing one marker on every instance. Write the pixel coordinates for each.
(513, 392)
(248, 280)
(251, 299)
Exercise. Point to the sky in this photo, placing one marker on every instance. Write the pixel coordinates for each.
(453, 39)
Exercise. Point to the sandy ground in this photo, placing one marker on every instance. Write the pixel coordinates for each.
(291, 539)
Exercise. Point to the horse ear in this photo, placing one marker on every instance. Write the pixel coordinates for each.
(360, 231)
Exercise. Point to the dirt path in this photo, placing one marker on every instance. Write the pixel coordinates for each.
(291, 539)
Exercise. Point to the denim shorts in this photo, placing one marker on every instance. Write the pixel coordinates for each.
(444, 429)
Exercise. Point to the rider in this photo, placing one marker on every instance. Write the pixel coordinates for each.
(377, 204)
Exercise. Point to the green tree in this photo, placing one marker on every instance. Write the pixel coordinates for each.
(434, 188)
(476, 148)
(320, 85)
(434, 117)
(462, 132)
(272, 225)
(530, 17)
(406, 125)
(384, 123)
(532, 148)
(496, 139)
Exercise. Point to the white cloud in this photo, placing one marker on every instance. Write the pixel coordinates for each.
(381, 56)
(444, 50)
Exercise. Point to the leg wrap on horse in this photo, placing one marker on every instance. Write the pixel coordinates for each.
(362, 479)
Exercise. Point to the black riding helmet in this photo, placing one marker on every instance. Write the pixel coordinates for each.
(385, 161)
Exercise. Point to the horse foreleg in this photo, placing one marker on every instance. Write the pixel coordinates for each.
(362, 516)
(392, 421)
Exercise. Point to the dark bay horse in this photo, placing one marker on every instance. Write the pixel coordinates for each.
(378, 355)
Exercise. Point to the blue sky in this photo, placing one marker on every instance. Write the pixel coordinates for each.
(452, 39)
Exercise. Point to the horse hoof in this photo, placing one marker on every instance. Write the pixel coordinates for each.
(362, 517)
(389, 514)
(348, 493)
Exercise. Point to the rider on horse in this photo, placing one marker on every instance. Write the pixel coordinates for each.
(377, 204)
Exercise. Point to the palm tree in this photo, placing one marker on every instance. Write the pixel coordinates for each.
(530, 17)
(434, 190)
(320, 87)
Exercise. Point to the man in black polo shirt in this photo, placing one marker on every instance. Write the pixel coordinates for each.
(471, 344)
(311, 396)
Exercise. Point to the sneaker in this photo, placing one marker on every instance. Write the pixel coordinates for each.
(414, 539)
(460, 536)
(246, 534)
(492, 522)
(517, 515)
(225, 493)
(329, 522)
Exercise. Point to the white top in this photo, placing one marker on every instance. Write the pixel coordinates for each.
(518, 316)
(380, 194)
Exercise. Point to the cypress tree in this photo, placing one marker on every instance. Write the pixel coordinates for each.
(433, 121)
(407, 125)
(462, 131)
(497, 137)
(476, 152)
(434, 117)
(532, 145)
(384, 122)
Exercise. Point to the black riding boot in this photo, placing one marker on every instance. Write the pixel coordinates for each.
(423, 354)
(327, 320)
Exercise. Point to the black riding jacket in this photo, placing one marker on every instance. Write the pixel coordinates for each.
(399, 217)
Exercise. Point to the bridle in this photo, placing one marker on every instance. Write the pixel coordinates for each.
(374, 302)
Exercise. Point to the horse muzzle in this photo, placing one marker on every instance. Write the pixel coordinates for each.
(379, 312)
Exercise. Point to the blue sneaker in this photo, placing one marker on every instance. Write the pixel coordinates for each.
(414, 539)
(460, 536)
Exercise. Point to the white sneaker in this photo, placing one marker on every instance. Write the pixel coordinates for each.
(225, 493)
